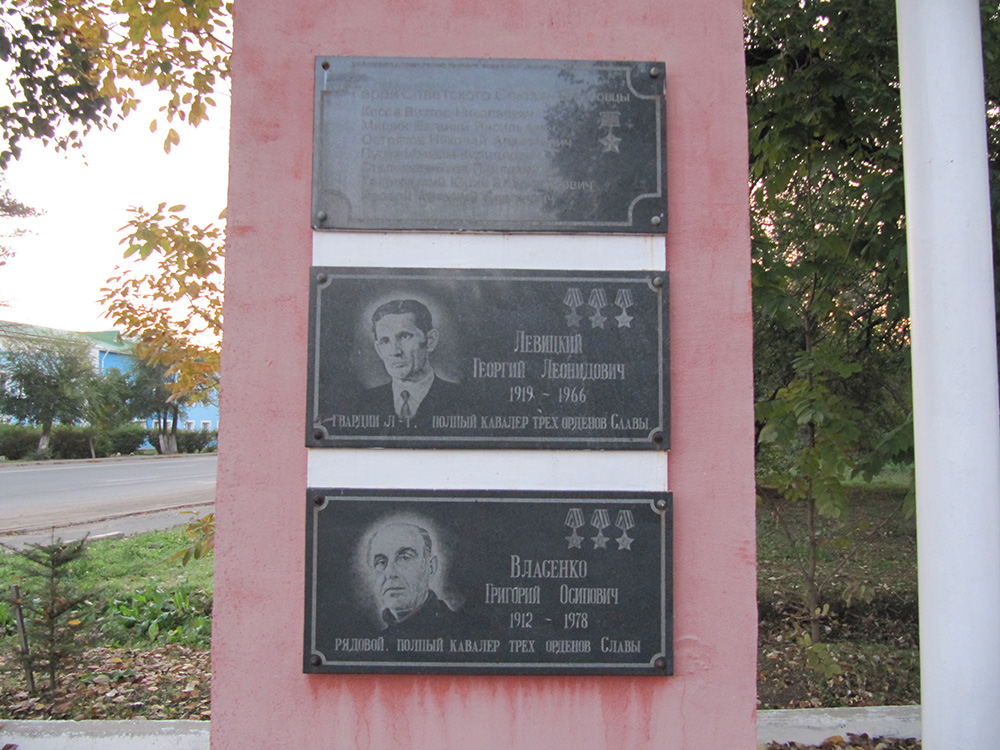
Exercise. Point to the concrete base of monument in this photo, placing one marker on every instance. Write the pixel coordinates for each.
(805, 726)
(813, 725)
(105, 735)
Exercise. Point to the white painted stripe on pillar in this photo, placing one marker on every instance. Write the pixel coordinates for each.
(957, 420)
(488, 469)
(465, 250)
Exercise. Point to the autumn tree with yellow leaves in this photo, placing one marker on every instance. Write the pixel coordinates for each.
(83, 64)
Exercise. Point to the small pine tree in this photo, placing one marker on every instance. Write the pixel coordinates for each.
(52, 603)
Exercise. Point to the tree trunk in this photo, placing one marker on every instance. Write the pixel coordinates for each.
(43, 441)
(168, 444)
(168, 439)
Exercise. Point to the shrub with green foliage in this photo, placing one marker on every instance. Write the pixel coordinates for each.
(124, 440)
(196, 441)
(69, 442)
(18, 440)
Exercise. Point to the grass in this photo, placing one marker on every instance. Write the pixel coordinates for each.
(131, 583)
(123, 566)
(119, 567)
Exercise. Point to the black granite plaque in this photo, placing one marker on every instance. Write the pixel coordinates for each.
(489, 145)
(488, 582)
(488, 359)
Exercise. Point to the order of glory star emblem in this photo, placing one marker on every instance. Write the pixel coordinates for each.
(610, 143)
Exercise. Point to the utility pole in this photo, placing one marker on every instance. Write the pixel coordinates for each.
(956, 419)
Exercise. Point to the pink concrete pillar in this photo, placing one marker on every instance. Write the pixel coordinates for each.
(260, 696)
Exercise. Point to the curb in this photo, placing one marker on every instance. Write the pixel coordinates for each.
(813, 725)
(103, 459)
(106, 735)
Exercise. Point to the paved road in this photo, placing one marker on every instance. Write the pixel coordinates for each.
(125, 494)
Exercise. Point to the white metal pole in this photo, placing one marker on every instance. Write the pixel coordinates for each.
(956, 414)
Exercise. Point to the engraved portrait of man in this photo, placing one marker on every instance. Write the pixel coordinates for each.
(402, 566)
(405, 338)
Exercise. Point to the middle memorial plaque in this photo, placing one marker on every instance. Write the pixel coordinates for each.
(488, 359)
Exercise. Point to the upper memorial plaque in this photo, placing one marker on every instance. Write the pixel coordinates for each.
(489, 145)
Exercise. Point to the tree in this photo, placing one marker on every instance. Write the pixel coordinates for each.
(78, 65)
(829, 253)
(46, 382)
(152, 397)
(56, 605)
(110, 403)
(171, 303)
(11, 208)
(51, 83)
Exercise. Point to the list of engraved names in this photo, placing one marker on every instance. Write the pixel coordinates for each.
(462, 147)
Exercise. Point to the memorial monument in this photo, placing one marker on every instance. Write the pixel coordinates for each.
(480, 301)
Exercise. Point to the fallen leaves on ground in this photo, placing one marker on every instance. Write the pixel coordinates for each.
(875, 645)
(169, 682)
(851, 742)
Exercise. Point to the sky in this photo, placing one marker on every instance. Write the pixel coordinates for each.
(55, 278)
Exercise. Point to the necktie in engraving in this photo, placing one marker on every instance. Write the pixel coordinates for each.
(404, 410)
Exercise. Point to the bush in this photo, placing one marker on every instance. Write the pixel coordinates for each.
(69, 442)
(196, 441)
(124, 440)
(18, 440)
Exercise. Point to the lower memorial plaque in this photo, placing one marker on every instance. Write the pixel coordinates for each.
(488, 359)
(481, 582)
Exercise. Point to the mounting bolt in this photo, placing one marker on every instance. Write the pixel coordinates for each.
(654, 72)
(658, 438)
(321, 216)
(317, 434)
(655, 221)
(321, 278)
(661, 504)
(315, 660)
(660, 663)
(657, 281)
(318, 500)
